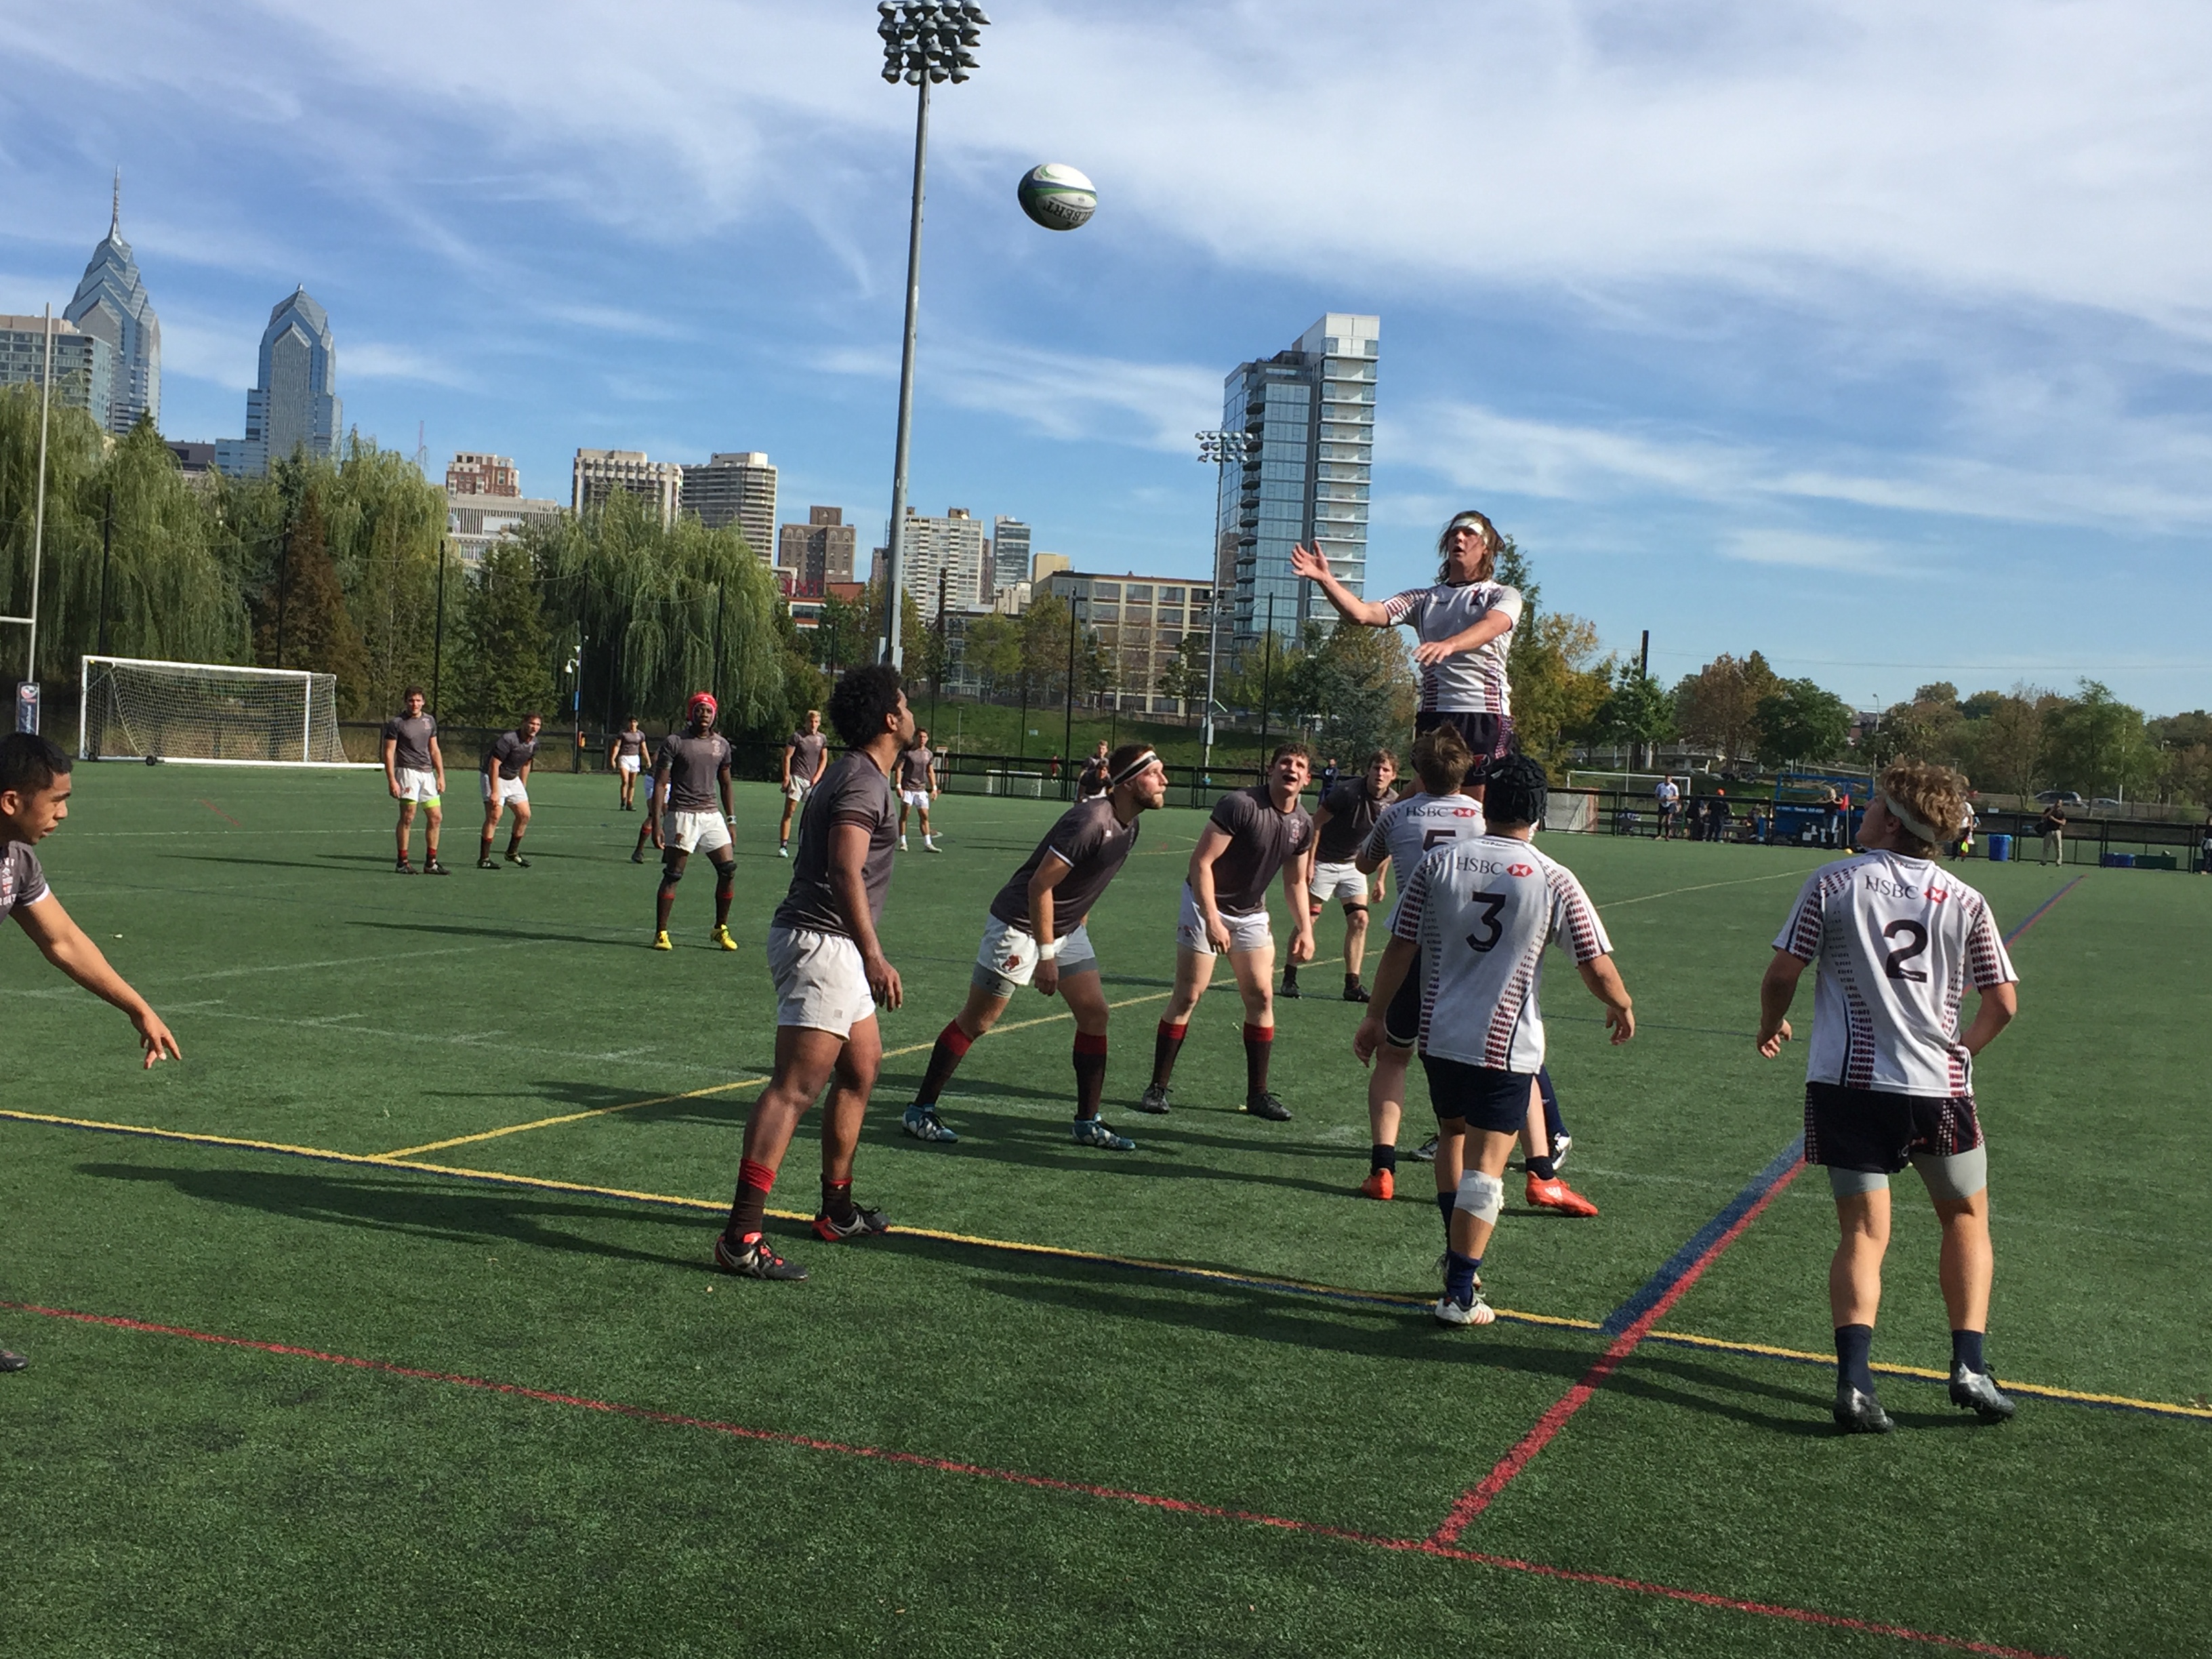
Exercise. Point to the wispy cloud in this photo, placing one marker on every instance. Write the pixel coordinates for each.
(1806, 551)
(376, 359)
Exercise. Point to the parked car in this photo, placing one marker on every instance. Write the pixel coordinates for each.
(2105, 800)
(2061, 798)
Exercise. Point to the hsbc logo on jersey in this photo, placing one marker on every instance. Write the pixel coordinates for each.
(1520, 869)
(1467, 811)
(1900, 889)
(1937, 895)
(1488, 866)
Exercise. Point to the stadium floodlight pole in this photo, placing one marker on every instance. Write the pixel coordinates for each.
(925, 41)
(1222, 450)
(39, 513)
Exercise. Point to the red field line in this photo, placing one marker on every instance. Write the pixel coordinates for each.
(1430, 1546)
(1471, 1502)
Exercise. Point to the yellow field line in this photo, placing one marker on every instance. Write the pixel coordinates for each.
(742, 1082)
(711, 1207)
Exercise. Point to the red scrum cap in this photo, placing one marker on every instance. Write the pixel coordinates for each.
(701, 700)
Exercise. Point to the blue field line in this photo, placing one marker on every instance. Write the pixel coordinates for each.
(2036, 914)
(1688, 1256)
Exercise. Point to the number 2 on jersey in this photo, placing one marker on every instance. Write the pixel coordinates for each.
(1893, 964)
(1493, 905)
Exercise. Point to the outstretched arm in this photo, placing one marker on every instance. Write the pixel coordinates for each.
(1309, 563)
(62, 943)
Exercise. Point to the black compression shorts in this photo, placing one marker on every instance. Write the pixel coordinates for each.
(1868, 1130)
(1489, 737)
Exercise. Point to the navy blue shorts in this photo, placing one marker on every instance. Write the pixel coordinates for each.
(1489, 737)
(1485, 1097)
(1402, 1020)
(1872, 1131)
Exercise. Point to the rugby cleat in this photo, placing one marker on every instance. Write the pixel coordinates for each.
(1154, 1100)
(487, 864)
(1477, 1312)
(1290, 990)
(754, 1259)
(660, 941)
(404, 867)
(923, 1123)
(12, 1362)
(1267, 1106)
(1093, 1132)
(637, 856)
(1560, 1197)
(930, 842)
(865, 1224)
(432, 867)
(903, 846)
(783, 849)
(517, 860)
(1857, 1412)
(1356, 992)
(1560, 1143)
(1426, 1151)
(1380, 1184)
(721, 937)
(1977, 1392)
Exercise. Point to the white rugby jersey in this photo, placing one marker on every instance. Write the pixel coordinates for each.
(1896, 941)
(1468, 681)
(1410, 829)
(1482, 912)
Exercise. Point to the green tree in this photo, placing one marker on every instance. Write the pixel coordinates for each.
(992, 651)
(301, 621)
(2098, 744)
(1184, 676)
(1561, 685)
(2010, 741)
(1637, 710)
(1718, 705)
(1355, 687)
(505, 670)
(1801, 721)
(386, 526)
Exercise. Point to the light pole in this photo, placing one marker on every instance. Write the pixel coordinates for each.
(1222, 450)
(925, 41)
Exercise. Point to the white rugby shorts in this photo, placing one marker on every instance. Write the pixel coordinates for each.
(1252, 932)
(510, 789)
(819, 981)
(630, 762)
(1338, 881)
(418, 785)
(917, 799)
(697, 832)
(1007, 958)
(798, 789)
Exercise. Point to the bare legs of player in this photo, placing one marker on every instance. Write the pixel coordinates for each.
(492, 807)
(1355, 942)
(629, 787)
(1470, 1233)
(1966, 1264)
(783, 829)
(805, 1062)
(433, 815)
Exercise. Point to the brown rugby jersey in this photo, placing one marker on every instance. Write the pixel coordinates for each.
(509, 753)
(689, 769)
(1094, 843)
(916, 767)
(410, 736)
(1262, 840)
(1352, 815)
(806, 748)
(851, 792)
(22, 880)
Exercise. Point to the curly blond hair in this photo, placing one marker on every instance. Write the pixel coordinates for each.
(1936, 795)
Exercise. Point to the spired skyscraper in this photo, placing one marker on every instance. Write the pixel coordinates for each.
(295, 406)
(111, 305)
(1313, 409)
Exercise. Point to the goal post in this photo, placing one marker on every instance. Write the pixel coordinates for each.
(213, 713)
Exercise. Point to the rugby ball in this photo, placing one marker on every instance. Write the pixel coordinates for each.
(1058, 198)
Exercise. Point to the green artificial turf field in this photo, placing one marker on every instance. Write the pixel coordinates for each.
(464, 1416)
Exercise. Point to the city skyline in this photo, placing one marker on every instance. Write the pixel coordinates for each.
(1719, 352)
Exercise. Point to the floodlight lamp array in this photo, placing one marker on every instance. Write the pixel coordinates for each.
(934, 38)
(1227, 448)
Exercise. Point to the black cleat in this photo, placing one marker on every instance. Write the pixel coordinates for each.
(516, 859)
(1290, 990)
(1860, 1414)
(1154, 1100)
(865, 1224)
(638, 857)
(12, 1362)
(1267, 1106)
(487, 864)
(1977, 1392)
(1356, 992)
(404, 867)
(1426, 1151)
(755, 1259)
(432, 867)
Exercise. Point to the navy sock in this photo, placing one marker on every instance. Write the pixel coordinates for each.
(1446, 1203)
(1542, 1169)
(1853, 1343)
(1554, 1125)
(1966, 1349)
(1380, 1157)
(1459, 1277)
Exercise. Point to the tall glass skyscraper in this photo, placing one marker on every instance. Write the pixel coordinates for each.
(111, 305)
(295, 406)
(1313, 409)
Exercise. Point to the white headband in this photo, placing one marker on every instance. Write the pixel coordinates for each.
(1132, 770)
(1923, 831)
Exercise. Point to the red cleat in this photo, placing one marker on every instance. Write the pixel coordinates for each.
(1556, 1194)
(1382, 1184)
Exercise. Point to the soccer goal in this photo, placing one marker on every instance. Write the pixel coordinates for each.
(209, 713)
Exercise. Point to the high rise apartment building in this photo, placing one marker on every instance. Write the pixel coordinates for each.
(598, 473)
(84, 364)
(953, 544)
(483, 475)
(1313, 409)
(736, 488)
(1010, 552)
(816, 552)
(295, 405)
(111, 305)
(1140, 622)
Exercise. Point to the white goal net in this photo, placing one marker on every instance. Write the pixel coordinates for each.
(197, 711)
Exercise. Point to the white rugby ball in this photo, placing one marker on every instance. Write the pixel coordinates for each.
(1056, 196)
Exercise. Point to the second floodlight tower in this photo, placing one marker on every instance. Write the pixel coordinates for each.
(925, 42)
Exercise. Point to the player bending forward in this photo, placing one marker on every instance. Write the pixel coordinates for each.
(830, 973)
(1346, 815)
(806, 753)
(917, 781)
(630, 753)
(1889, 1079)
(1049, 898)
(506, 772)
(1253, 834)
(1479, 915)
(34, 793)
(415, 770)
(692, 766)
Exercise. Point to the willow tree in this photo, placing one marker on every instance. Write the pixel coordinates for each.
(385, 524)
(73, 453)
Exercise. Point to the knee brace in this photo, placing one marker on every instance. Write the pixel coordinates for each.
(1351, 909)
(1480, 1196)
(725, 877)
(671, 871)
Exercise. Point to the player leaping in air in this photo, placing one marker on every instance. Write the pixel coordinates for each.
(806, 753)
(1253, 834)
(415, 770)
(1463, 621)
(1049, 899)
(1889, 1081)
(1478, 914)
(830, 973)
(34, 793)
(693, 764)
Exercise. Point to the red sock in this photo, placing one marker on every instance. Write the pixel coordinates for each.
(1258, 1045)
(837, 1200)
(952, 1045)
(749, 1209)
(1089, 1072)
(1165, 1046)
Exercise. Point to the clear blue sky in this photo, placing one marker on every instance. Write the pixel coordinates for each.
(1873, 336)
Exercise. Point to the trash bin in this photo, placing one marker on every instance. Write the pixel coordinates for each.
(2117, 861)
(2000, 847)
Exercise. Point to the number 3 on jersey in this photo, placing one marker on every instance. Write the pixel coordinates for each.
(1493, 905)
